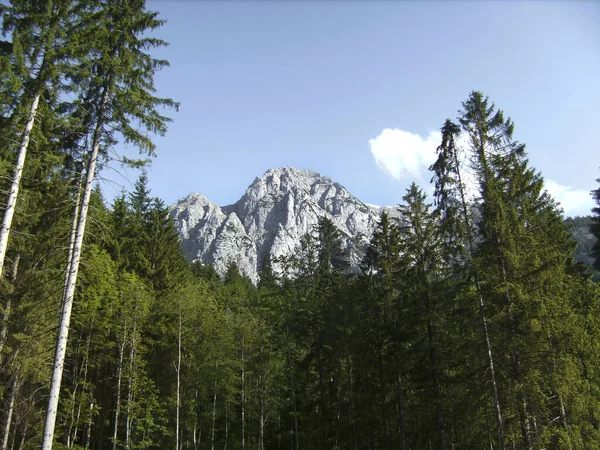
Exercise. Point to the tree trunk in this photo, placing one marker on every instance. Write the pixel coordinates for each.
(23, 437)
(243, 399)
(88, 431)
(8, 305)
(22, 155)
(214, 417)
(261, 424)
(9, 412)
(119, 377)
(130, 396)
(11, 203)
(178, 380)
(63, 332)
(197, 432)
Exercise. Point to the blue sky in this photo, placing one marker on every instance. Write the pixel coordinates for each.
(320, 84)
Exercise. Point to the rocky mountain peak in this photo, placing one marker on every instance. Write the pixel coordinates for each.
(276, 210)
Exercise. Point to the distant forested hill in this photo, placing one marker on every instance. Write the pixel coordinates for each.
(580, 228)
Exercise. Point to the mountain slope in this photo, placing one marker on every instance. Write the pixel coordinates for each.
(270, 218)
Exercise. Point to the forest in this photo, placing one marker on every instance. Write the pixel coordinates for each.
(469, 324)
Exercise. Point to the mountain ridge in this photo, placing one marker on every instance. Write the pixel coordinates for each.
(275, 211)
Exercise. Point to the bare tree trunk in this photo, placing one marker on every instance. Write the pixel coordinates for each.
(13, 193)
(197, 433)
(9, 412)
(8, 304)
(130, 397)
(88, 431)
(261, 425)
(23, 437)
(63, 332)
(119, 377)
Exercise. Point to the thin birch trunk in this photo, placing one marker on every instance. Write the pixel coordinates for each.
(63, 332)
(13, 194)
(261, 429)
(130, 396)
(119, 377)
(23, 436)
(8, 305)
(16, 182)
(214, 417)
(88, 431)
(13, 438)
(9, 413)
(196, 438)
(73, 235)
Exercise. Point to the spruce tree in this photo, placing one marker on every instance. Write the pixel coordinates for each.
(458, 214)
(422, 315)
(115, 81)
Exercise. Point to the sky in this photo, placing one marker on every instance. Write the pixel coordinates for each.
(357, 90)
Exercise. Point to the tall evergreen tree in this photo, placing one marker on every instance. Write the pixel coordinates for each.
(458, 215)
(116, 79)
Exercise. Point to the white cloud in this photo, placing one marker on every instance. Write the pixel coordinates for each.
(575, 202)
(403, 154)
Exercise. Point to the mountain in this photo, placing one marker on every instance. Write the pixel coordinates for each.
(270, 218)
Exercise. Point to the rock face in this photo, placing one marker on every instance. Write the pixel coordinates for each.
(270, 218)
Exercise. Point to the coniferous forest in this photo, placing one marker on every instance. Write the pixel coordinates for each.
(468, 326)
